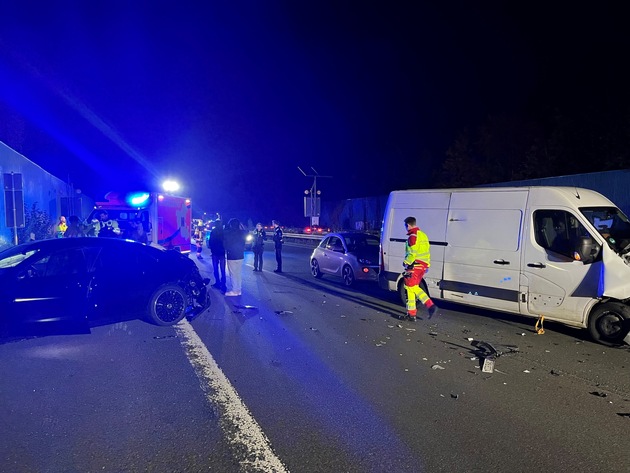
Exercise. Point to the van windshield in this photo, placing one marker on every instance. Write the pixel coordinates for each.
(610, 222)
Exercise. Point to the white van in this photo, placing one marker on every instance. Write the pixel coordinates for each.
(560, 252)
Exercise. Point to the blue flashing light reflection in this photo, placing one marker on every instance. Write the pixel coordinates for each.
(138, 200)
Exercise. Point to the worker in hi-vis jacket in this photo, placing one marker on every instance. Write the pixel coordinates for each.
(416, 263)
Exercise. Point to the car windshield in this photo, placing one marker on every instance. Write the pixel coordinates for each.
(361, 242)
(14, 256)
(609, 221)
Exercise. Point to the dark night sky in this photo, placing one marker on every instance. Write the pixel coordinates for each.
(231, 97)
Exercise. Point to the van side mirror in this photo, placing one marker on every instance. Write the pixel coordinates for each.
(586, 250)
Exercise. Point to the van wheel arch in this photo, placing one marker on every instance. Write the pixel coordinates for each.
(608, 323)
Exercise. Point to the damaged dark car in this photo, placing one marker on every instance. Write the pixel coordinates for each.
(68, 282)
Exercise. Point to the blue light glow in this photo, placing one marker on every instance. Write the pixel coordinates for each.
(138, 200)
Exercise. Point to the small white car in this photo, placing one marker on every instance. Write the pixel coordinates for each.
(353, 256)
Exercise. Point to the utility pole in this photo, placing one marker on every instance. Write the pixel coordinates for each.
(312, 207)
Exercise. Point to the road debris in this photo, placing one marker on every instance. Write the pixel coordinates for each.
(437, 367)
(598, 394)
(283, 312)
(487, 353)
(247, 307)
(455, 396)
(488, 365)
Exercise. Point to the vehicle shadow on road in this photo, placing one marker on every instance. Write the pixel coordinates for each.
(354, 294)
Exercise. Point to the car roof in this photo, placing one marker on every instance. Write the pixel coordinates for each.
(61, 243)
(350, 234)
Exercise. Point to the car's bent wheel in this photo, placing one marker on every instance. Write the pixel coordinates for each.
(609, 322)
(315, 271)
(167, 305)
(348, 275)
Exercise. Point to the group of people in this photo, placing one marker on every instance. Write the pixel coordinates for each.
(227, 247)
(103, 226)
(69, 228)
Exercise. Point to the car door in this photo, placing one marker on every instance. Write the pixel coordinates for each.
(51, 288)
(557, 286)
(120, 283)
(334, 255)
(322, 251)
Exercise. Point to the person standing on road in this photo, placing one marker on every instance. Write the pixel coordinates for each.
(104, 226)
(416, 263)
(199, 231)
(234, 241)
(74, 229)
(260, 236)
(62, 226)
(217, 249)
(137, 232)
(277, 241)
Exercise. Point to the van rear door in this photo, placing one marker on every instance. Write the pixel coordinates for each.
(430, 210)
(482, 258)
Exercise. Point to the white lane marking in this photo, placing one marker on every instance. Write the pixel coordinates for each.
(241, 429)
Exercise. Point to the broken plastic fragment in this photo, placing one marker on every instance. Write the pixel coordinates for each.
(437, 367)
(283, 312)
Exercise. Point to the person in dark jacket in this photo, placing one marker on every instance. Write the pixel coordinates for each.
(234, 241)
(217, 249)
(277, 241)
(74, 229)
(260, 236)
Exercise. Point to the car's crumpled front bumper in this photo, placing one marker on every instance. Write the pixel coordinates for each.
(200, 298)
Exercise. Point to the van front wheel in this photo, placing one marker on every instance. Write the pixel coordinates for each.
(609, 322)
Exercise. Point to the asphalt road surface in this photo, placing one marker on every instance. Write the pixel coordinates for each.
(304, 375)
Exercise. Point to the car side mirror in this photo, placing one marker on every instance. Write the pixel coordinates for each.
(586, 250)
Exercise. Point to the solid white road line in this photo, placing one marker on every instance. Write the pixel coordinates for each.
(241, 430)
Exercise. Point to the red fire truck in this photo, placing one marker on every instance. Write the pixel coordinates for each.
(166, 218)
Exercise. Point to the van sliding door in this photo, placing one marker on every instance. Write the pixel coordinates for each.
(483, 253)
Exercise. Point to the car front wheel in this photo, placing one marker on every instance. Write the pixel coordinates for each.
(315, 271)
(167, 305)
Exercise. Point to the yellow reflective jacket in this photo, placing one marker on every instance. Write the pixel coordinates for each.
(417, 247)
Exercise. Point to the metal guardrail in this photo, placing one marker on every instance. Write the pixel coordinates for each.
(304, 239)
